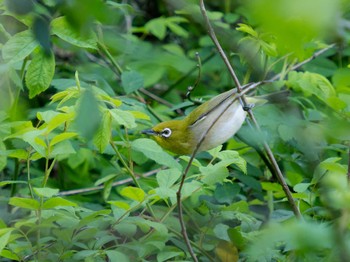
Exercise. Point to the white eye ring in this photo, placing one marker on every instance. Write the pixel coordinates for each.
(166, 132)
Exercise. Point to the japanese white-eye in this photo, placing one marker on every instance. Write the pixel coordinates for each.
(182, 136)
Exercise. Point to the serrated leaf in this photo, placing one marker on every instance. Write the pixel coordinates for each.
(64, 148)
(226, 192)
(58, 201)
(153, 151)
(58, 120)
(40, 73)
(131, 81)
(229, 157)
(166, 178)
(103, 133)
(133, 193)
(62, 137)
(45, 191)
(65, 31)
(19, 46)
(123, 118)
(213, 174)
(24, 203)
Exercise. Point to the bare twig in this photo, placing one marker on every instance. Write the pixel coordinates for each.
(296, 66)
(269, 153)
(97, 188)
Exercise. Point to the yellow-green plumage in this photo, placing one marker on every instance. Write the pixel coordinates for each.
(182, 136)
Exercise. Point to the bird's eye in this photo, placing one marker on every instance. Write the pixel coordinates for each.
(166, 132)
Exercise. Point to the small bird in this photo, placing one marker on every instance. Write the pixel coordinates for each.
(182, 136)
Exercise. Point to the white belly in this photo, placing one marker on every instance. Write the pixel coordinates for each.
(227, 124)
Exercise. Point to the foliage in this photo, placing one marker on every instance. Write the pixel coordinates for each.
(80, 79)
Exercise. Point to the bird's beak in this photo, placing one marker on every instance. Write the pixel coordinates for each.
(149, 132)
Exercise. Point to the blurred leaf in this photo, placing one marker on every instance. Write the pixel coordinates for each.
(88, 116)
(27, 203)
(4, 238)
(167, 178)
(247, 29)
(19, 47)
(102, 136)
(123, 118)
(19, 7)
(116, 256)
(40, 73)
(64, 30)
(133, 193)
(41, 32)
(3, 158)
(131, 81)
(46, 192)
(157, 27)
(58, 202)
(62, 137)
(227, 252)
(153, 151)
(226, 192)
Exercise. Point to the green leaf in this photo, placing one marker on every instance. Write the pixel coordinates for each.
(247, 29)
(133, 193)
(226, 192)
(58, 202)
(65, 31)
(19, 46)
(157, 27)
(4, 238)
(88, 117)
(301, 187)
(153, 151)
(40, 73)
(64, 148)
(229, 157)
(116, 256)
(213, 174)
(62, 137)
(3, 158)
(166, 178)
(176, 29)
(45, 191)
(103, 133)
(123, 118)
(24, 203)
(58, 120)
(9, 182)
(131, 81)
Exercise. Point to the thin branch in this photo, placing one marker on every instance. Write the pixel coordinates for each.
(269, 153)
(296, 66)
(101, 187)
